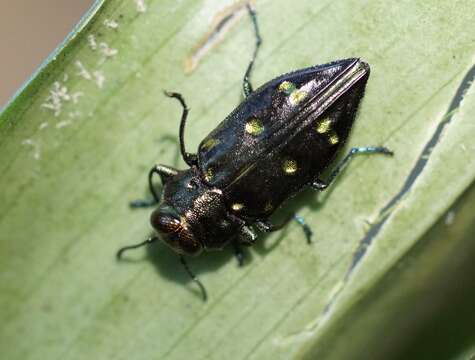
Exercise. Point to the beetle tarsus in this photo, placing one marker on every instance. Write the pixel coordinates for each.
(306, 229)
(238, 253)
(322, 185)
(194, 278)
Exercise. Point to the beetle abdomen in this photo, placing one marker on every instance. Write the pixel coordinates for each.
(283, 136)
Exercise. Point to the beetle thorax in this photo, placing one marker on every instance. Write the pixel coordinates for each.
(200, 208)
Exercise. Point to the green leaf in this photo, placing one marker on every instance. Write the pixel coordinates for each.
(77, 141)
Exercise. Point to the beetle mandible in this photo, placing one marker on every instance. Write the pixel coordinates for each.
(277, 142)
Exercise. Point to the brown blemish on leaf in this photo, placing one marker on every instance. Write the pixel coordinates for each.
(223, 21)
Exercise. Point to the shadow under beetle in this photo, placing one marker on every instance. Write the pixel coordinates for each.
(277, 142)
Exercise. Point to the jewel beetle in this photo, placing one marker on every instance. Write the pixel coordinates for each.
(277, 142)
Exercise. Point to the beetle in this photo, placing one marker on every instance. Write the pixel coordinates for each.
(277, 142)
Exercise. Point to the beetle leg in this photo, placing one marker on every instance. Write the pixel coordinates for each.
(190, 159)
(130, 247)
(238, 253)
(246, 85)
(143, 203)
(265, 226)
(306, 229)
(165, 172)
(247, 236)
(322, 185)
(194, 278)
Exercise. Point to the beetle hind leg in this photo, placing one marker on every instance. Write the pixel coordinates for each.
(246, 85)
(266, 226)
(322, 185)
(306, 229)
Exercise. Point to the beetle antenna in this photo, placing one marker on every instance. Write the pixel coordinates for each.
(190, 159)
(246, 85)
(130, 247)
(194, 278)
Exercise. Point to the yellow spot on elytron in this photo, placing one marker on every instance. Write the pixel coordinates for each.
(209, 174)
(323, 126)
(297, 96)
(289, 166)
(254, 127)
(210, 143)
(287, 87)
(333, 139)
(237, 206)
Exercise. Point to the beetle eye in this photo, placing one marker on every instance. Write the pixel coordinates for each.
(175, 233)
(165, 220)
(168, 224)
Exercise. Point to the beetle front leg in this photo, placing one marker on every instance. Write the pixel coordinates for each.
(246, 85)
(322, 185)
(165, 172)
(246, 237)
(142, 203)
(135, 246)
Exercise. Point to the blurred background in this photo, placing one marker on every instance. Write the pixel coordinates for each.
(29, 31)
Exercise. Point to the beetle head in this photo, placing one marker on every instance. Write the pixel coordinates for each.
(175, 231)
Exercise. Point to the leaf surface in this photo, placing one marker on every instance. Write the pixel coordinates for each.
(77, 141)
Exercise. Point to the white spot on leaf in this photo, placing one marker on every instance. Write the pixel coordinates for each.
(74, 114)
(97, 76)
(83, 72)
(34, 146)
(75, 97)
(140, 6)
(58, 94)
(107, 52)
(91, 39)
(111, 23)
(62, 124)
(100, 78)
